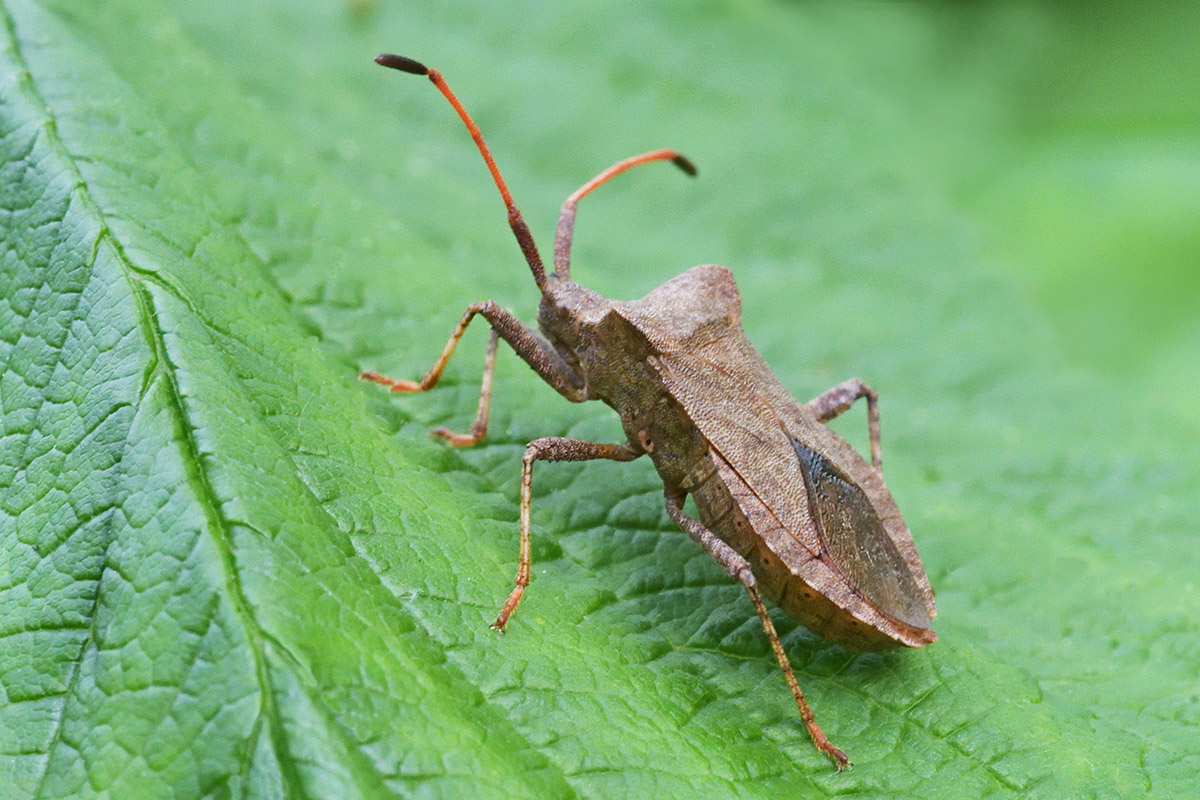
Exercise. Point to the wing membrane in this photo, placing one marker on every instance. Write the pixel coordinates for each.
(854, 536)
(819, 500)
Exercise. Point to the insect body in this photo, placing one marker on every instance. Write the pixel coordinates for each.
(786, 506)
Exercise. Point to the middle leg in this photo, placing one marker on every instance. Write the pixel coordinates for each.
(550, 448)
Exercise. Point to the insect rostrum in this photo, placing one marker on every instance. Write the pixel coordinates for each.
(787, 507)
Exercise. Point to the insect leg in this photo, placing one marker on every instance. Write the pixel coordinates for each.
(739, 569)
(566, 217)
(534, 350)
(550, 448)
(833, 402)
(480, 425)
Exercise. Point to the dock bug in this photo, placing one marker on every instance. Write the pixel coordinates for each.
(786, 506)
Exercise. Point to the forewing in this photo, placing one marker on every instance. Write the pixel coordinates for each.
(854, 536)
(783, 456)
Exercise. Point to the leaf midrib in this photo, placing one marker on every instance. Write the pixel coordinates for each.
(218, 527)
(201, 485)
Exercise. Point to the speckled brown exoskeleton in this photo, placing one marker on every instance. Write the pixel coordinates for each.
(786, 506)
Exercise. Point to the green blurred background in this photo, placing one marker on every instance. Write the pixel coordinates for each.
(1087, 178)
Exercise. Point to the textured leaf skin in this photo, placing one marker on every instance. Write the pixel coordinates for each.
(227, 570)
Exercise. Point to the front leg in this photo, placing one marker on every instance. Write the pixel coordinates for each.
(531, 347)
(739, 569)
(831, 403)
(550, 448)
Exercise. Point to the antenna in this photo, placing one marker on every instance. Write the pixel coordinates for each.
(566, 217)
(515, 221)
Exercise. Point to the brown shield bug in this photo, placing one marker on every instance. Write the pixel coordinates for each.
(786, 506)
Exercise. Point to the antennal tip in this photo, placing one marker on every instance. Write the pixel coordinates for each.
(685, 164)
(401, 63)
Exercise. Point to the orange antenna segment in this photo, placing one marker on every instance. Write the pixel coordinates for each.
(515, 221)
(566, 218)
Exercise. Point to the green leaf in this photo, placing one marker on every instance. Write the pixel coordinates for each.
(227, 569)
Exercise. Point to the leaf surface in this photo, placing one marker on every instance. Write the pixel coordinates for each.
(230, 570)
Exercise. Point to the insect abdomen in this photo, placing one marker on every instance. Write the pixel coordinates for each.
(721, 512)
